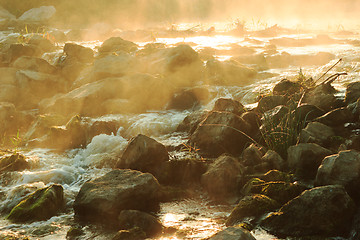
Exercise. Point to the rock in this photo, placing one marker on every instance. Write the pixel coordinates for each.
(336, 117)
(233, 233)
(132, 234)
(8, 76)
(286, 87)
(229, 105)
(322, 211)
(8, 118)
(221, 132)
(307, 112)
(341, 169)
(229, 73)
(9, 93)
(276, 115)
(42, 42)
(191, 121)
(188, 98)
(251, 156)
(251, 206)
(71, 68)
(34, 64)
(253, 119)
(41, 14)
(82, 54)
(222, 178)
(144, 154)
(40, 205)
(117, 44)
(276, 176)
(305, 158)
(5, 14)
(85, 100)
(15, 162)
(269, 102)
(149, 224)
(180, 56)
(274, 159)
(102, 199)
(316, 132)
(322, 96)
(352, 92)
(17, 50)
(74, 233)
(182, 172)
(101, 127)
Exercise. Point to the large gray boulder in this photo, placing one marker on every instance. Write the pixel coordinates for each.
(316, 132)
(41, 14)
(102, 199)
(221, 132)
(343, 169)
(34, 64)
(323, 211)
(305, 158)
(229, 105)
(144, 154)
(222, 177)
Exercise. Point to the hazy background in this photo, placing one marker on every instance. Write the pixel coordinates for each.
(128, 13)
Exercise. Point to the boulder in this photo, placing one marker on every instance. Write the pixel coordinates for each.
(15, 162)
(251, 156)
(286, 87)
(233, 233)
(269, 102)
(9, 93)
(307, 112)
(341, 169)
(251, 206)
(181, 56)
(191, 121)
(222, 178)
(132, 234)
(229, 105)
(322, 96)
(277, 176)
(322, 211)
(36, 15)
(5, 14)
(336, 117)
(8, 118)
(229, 73)
(117, 44)
(274, 159)
(305, 158)
(17, 50)
(102, 199)
(8, 76)
(34, 64)
(188, 98)
(221, 132)
(149, 224)
(40, 205)
(316, 132)
(144, 154)
(275, 115)
(71, 68)
(352, 92)
(42, 42)
(81, 53)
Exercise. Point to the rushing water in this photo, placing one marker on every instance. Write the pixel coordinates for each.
(195, 218)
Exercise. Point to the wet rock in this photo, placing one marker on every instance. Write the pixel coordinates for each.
(222, 178)
(101, 127)
(181, 56)
(191, 121)
(229, 73)
(36, 15)
(251, 206)
(322, 96)
(336, 117)
(323, 211)
(221, 132)
(276, 176)
(9, 93)
(352, 92)
(341, 169)
(117, 44)
(316, 132)
(286, 87)
(15, 162)
(144, 154)
(102, 199)
(82, 54)
(8, 76)
(305, 158)
(252, 186)
(188, 98)
(70, 68)
(42, 43)
(251, 155)
(40, 205)
(307, 112)
(183, 172)
(276, 115)
(233, 233)
(149, 224)
(34, 64)
(253, 119)
(269, 102)
(229, 105)
(274, 159)
(8, 118)
(18, 50)
(132, 234)
(74, 233)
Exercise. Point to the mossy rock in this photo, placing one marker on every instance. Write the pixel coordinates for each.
(132, 234)
(276, 175)
(252, 186)
(251, 206)
(74, 233)
(40, 205)
(15, 162)
(282, 192)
